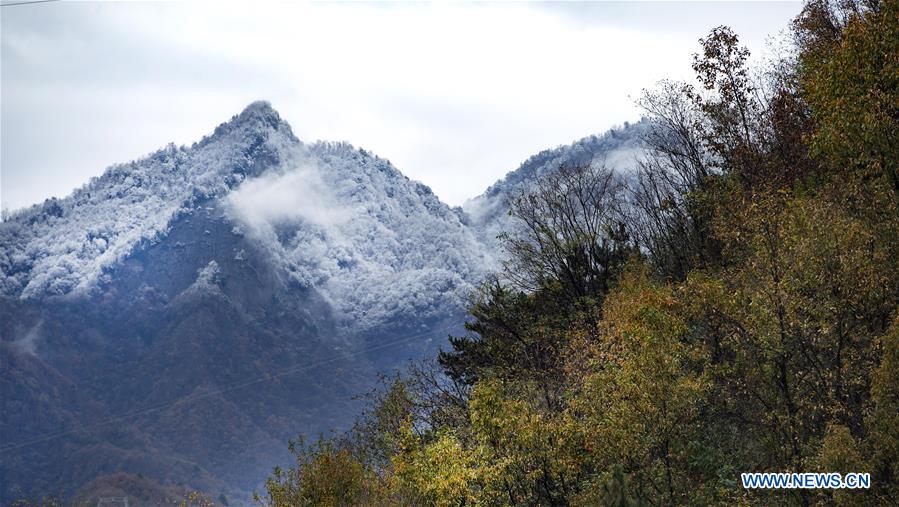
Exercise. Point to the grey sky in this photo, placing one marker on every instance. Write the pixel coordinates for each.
(455, 95)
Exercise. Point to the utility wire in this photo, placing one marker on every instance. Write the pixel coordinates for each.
(231, 387)
(10, 4)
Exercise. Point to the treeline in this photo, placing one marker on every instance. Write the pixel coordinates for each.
(731, 308)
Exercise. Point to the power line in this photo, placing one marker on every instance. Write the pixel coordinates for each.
(10, 4)
(228, 388)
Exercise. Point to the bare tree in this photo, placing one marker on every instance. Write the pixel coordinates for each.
(572, 237)
(666, 216)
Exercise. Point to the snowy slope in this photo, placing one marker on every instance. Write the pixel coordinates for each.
(372, 241)
(63, 245)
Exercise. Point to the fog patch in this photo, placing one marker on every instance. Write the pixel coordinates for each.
(624, 161)
(296, 217)
(291, 196)
(28, 343)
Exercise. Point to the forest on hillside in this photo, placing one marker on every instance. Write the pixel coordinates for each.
(731, 308)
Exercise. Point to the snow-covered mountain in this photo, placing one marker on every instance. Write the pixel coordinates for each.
(618, 149)
(183, 315)
(332, 217)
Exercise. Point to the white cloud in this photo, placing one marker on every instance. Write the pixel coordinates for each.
(295, 195)
(454, 94)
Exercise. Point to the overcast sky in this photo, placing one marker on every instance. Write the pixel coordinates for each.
(455, 95)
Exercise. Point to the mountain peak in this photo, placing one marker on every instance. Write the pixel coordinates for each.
(133, 203)
(257, 116)
(259, 110)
